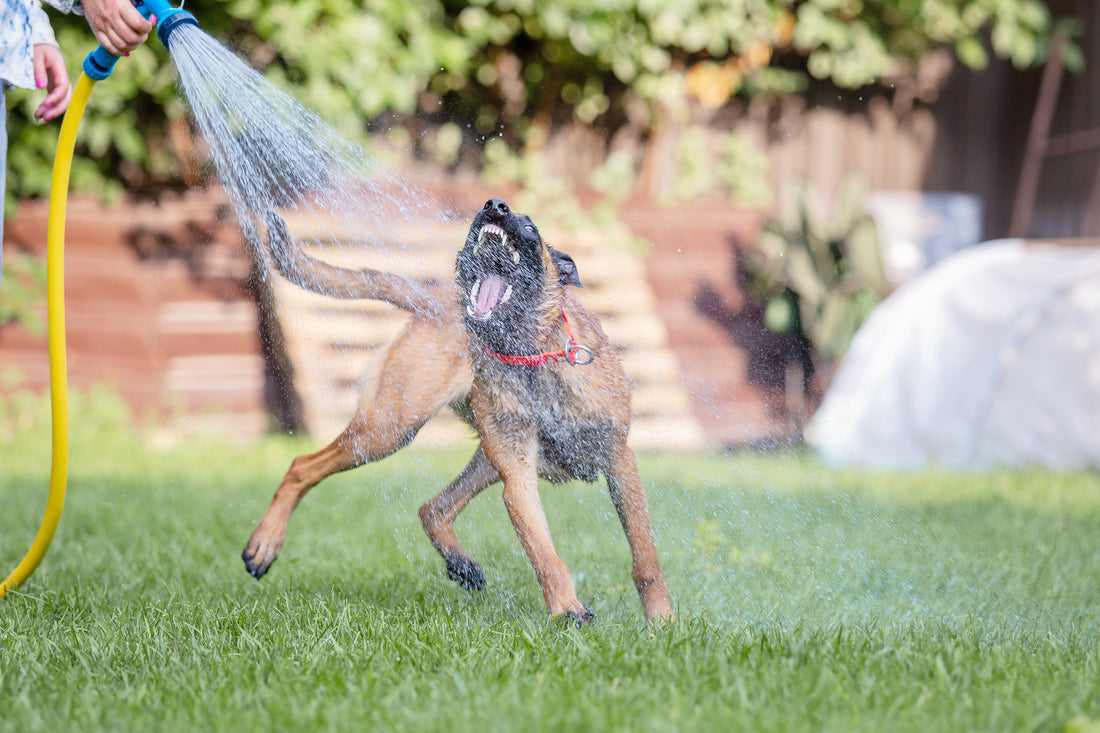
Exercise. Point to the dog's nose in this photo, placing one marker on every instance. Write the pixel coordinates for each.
(496, 208)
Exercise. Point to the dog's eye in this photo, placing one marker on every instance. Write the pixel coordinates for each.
(530, 227)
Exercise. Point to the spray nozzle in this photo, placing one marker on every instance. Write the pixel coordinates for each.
(100, 63)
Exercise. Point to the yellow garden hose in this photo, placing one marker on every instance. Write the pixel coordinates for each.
(97, 66)
(55, 295)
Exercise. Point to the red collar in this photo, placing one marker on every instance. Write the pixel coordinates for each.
(573, 354)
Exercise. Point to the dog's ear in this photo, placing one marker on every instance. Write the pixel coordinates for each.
(567, 268)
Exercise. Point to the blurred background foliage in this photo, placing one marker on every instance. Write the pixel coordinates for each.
(818, 273)
(23, 293)
(454, 80)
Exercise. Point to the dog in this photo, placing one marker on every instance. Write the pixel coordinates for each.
(484, 344)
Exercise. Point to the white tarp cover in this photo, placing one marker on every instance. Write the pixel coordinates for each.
(991, 358)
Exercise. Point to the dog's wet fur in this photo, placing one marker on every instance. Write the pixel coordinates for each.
(558, 420)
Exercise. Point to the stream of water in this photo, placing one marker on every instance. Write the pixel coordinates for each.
(272, 153)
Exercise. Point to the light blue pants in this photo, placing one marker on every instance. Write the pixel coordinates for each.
(3, 172)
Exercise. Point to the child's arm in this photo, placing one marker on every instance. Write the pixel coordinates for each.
(116, 23)
(50, 73)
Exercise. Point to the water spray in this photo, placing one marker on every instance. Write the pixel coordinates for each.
(97, 66)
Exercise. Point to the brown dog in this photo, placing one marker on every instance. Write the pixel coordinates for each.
(487, 349)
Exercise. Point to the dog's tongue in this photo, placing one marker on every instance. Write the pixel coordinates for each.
(488, 294)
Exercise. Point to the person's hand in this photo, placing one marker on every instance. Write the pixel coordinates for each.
(51, 74)
(117, 24)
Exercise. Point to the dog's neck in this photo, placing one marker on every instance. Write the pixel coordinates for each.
(572, 352)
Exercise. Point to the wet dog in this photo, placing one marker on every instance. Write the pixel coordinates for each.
(510, 348)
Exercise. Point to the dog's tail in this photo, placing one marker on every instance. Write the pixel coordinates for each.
(316, 276)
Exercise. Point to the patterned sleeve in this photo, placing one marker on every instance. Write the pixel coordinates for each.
(41, 32)
(68, 6)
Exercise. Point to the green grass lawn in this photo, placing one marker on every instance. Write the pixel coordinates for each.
(808, 599)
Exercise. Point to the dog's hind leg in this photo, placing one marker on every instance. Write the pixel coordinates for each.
(438, 516)
(418, 375)
(629, 498)
(358, 444)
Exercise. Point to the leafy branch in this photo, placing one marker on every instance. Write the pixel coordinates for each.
(502, 68)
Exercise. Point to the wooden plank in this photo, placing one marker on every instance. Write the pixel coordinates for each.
(207, 316)
(656, 399)
(681, 433)
(344, 331)
(1038, 135)
(220, 373)
(636, 331)
(651, 365)
(616, 299)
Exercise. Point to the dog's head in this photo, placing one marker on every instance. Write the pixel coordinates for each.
(511, 280)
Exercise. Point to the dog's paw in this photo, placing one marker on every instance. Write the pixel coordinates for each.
(465, 572)
(257, 561)
(580, 619)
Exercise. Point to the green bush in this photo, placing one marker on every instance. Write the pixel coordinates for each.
(23, 293)
(100, 420)
(498, 67)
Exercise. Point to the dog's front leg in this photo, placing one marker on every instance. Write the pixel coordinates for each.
(521, 497)
(438, 516)
(629, 498)
(374, 433)
(518, 467)
(305, 472)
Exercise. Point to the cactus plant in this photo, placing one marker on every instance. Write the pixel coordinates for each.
(818, 276)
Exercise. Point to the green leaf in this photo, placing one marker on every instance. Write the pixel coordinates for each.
(779, 316)
(972, 53)
(1073, 57)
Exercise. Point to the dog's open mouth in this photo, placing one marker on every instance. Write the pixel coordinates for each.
(487, 293)
(491, 289)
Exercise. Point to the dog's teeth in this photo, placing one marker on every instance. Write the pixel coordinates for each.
(507, 294)
(473, 291)
(515, 256)
(470, 312)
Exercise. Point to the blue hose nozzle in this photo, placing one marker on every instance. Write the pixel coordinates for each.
(99, 64)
